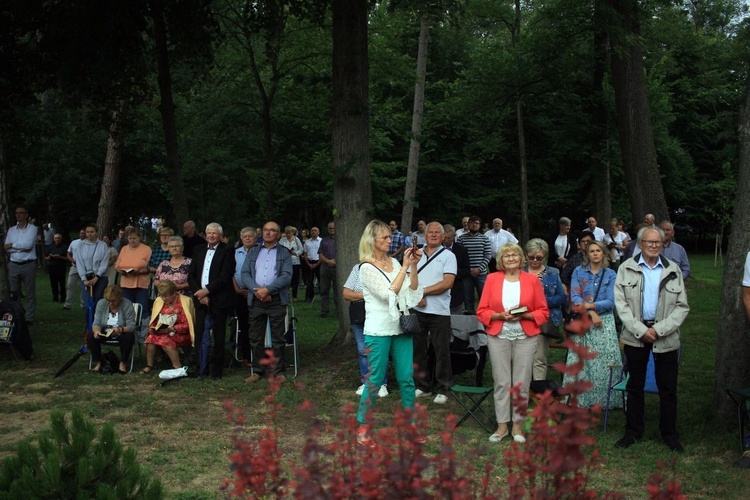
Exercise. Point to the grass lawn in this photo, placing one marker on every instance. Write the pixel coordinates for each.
(182, 434)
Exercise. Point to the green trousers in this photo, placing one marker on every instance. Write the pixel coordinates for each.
(401, 349)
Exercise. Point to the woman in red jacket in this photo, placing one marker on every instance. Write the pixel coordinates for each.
(512, 309)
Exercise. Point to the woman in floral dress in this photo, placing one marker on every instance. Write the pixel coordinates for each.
(176, 268)
(171, 325)
(592, 289)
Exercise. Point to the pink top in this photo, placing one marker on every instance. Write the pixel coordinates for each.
(136, 258)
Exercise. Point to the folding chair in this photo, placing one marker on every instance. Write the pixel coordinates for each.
(6, 335)
(740, 396)
(290, 327)
(621, 385)
(14, 331)
(469, 353)
(116, 342)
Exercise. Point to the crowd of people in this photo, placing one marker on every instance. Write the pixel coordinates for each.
(524, 295)
(170, 296)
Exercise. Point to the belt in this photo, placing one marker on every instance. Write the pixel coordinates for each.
(22, 263)
(649, 323)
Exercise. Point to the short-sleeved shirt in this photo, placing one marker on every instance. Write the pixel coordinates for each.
(746, 277)
(439, 265)
(353, 282)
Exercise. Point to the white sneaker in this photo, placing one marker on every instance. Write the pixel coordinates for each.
(173, 373)
(383, 392)
(420, 393)
(360, 389)
(440, 399)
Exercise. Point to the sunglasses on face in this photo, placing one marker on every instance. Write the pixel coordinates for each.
(536, 257)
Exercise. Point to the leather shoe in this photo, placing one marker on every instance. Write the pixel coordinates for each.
(674, 445)
(626, 441)
(252, 378)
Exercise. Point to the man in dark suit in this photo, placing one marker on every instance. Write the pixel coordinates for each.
(463, 268)
(210, 280)
(266, 274)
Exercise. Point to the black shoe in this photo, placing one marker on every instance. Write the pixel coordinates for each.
(674, 445)
(216, 376)
(626, 441)
(323, 315)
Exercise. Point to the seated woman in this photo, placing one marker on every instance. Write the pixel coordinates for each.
(114, 319)
(171, 325)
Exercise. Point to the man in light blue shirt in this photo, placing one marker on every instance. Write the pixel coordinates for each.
(652, 304)
(267, 274)
(249, 238)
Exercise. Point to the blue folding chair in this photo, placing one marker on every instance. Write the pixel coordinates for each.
(622, 384)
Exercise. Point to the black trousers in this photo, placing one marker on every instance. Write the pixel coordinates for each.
(310, 285)
(58, 277)
(666, 368)
(127, 340)
(243, 341)
(260, 314)
(219, 316)
(296, 269)
(438, 329)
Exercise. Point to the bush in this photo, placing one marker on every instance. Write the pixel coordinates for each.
(70, 462)
(555, 461)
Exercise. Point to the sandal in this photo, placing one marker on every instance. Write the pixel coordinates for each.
(363, 437)
(147, 370)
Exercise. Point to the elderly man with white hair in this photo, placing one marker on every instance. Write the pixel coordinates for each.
(210, 279)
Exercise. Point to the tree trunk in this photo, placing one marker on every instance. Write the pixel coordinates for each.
(600, 168)
(112, 164)
(352, 189)
(524, 236)
(4, 222)
(410, 190)
(732, 341)
(634, 115)
(167, 110)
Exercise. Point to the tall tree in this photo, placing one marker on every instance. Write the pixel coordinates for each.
(598, 138)
(167, 110)
(636, 134)
(352, 189)
(732, 341)
(112, 168)
(415, 142)
(516, 39)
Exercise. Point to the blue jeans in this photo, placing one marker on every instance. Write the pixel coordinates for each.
(471, 282)
(359, 336)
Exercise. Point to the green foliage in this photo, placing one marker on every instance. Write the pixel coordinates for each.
(69, 461)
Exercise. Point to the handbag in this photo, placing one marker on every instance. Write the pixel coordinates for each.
(357, 312)
(409, 324)
(551, 330)
(577, 323)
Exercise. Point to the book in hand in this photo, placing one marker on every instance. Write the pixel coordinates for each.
(518, 310)
(107, 333)
(129, 270)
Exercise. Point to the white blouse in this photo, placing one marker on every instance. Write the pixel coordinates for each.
(381, 303)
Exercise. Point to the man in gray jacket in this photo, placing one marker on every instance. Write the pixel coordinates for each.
(651, 303)
(266, 274)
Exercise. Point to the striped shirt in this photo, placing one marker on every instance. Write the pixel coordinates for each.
(479, 248)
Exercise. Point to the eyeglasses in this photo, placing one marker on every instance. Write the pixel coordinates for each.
(511, 256)
(652, 243)
(535, 257)
(475, 222)
(270, 230)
